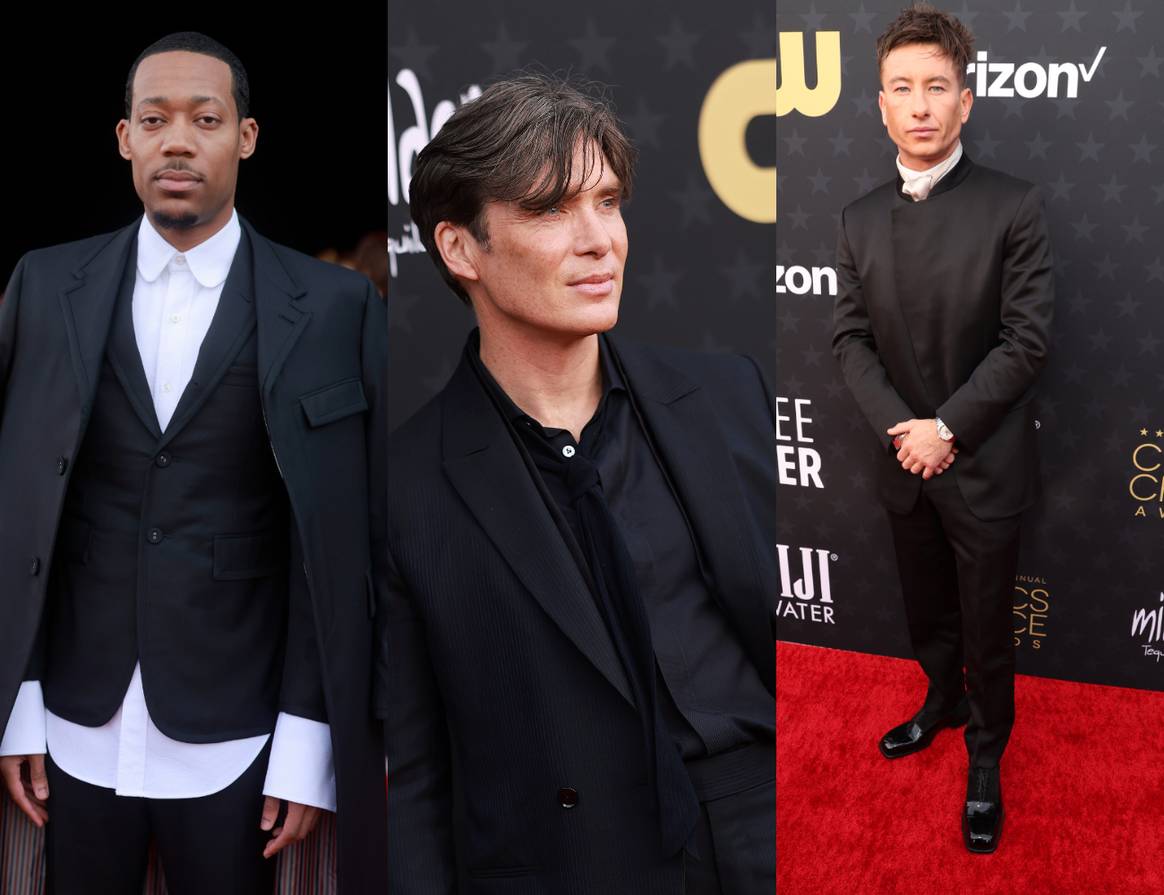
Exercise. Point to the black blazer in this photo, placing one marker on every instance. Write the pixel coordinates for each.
(943, 309)
(500, 685)
(322, 374)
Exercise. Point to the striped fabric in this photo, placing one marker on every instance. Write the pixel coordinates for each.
(306, 868)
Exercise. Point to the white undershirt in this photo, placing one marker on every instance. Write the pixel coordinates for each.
(175, 296)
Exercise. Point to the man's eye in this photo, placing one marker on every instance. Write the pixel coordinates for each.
(151, 119)
(208, 119)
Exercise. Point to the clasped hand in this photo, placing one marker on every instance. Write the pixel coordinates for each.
(920, 450)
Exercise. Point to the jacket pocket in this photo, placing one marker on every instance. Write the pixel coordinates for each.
(334, 402)
(246, 556)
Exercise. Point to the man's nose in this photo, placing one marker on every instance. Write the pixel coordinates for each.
(179, 138)
(590, 234)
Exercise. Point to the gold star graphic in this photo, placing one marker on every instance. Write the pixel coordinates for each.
(1160, 433)
(1143, 431)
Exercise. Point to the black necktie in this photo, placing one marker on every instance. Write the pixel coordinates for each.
(626, 618)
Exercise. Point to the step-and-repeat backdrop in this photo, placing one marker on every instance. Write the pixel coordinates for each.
(1068, 94)
(693, 85)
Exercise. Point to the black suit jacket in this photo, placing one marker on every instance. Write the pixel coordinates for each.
(499, 682)
(321, 356)
(944, 309)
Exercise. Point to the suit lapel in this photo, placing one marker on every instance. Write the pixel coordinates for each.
(125, 357)
(486, 468)
(279, 317)
(233, 322)
(88, 304)
(681, 423)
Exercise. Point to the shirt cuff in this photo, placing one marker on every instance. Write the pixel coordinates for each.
(25, 733)
(301, 768)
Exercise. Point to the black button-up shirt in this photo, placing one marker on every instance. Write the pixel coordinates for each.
(710, 695)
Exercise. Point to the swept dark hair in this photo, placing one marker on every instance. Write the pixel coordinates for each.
(922, 23)
(514, 143)
(195, 42)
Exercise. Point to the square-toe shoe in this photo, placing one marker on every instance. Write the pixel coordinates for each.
(982, 818)
(920, 730)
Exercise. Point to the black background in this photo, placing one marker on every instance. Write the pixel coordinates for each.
(315, 181)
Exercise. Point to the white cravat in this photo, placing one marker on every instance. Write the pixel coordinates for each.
(918, 184)
(175, 296)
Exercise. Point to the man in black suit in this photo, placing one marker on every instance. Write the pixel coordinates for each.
(942, 321)
(192, 446)
(578, 664)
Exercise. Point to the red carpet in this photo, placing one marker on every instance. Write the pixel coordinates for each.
(1082, 783)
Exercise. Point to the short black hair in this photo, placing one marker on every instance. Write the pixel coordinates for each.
(923, 23)
(195, 42)
(514, 143)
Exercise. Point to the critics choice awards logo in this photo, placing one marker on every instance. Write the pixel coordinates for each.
(1032, 607)
(1146, 482)
(796, 463)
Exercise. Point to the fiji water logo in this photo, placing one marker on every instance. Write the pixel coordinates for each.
(805, 586)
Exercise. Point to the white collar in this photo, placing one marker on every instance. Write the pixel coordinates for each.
(937, 172)
(209, 261)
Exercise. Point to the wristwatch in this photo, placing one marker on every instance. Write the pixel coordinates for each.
(944, 432)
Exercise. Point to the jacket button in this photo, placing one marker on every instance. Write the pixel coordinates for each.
(162, 460)
(568, 796)
(62, 465)
(34, 566)
(155, 535)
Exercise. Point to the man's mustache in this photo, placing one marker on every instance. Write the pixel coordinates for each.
(177, 165)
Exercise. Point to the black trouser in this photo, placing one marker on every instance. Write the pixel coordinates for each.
(98, 841)
(957, 577)
(736, 842)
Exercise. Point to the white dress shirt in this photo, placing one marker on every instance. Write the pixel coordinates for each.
(175, 296)
(919, 183)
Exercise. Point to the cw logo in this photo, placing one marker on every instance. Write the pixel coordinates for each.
(745, 92)
(793, 93)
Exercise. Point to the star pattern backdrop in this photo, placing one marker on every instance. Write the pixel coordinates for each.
(1067, 95)
(697, 275)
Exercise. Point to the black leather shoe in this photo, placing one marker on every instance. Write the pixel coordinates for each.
(919, 731)
(982, 819)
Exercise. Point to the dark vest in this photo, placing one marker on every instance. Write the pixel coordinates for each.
(174, 546)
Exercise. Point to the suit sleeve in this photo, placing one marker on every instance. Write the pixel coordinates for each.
(302, 691)
(9, 307)
(768, 520)
(421, 859)
(1010, 369)
(375, 372)
(9, 311)
(856, 349)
